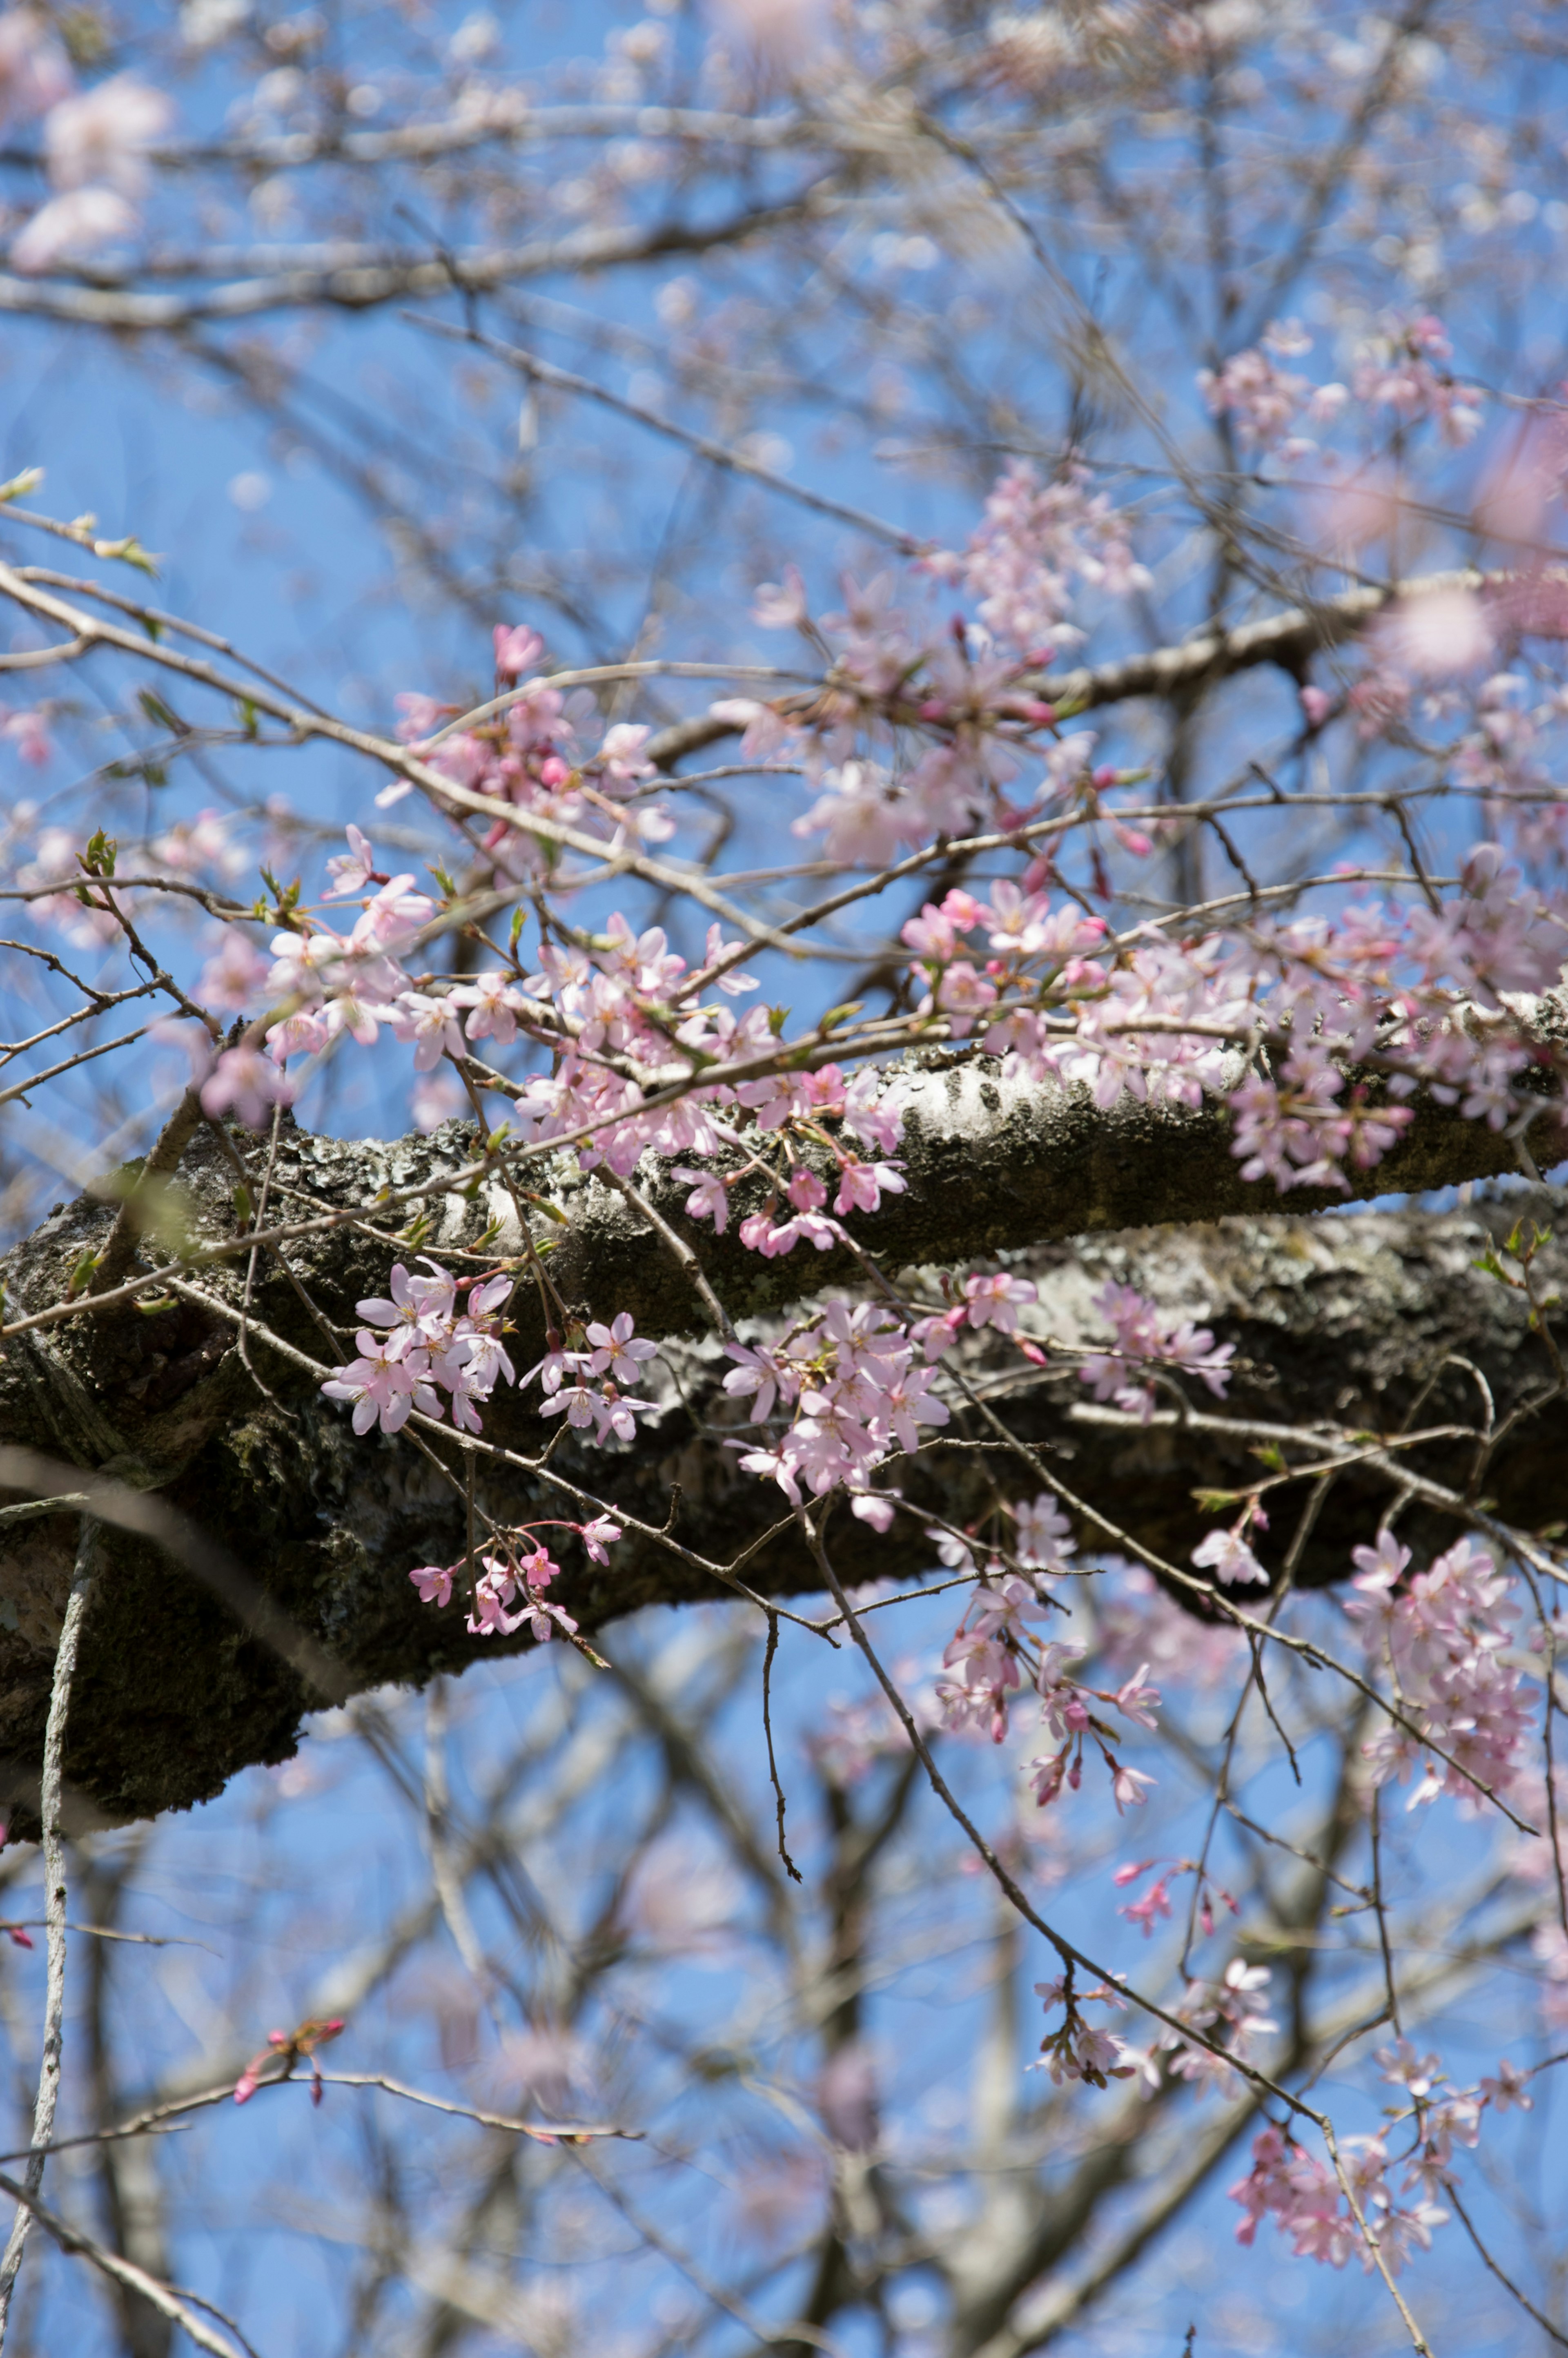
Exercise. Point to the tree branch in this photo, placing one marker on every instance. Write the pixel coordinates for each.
(357, 281)
(301, 1537)
(1289, 638)
(54, 1914)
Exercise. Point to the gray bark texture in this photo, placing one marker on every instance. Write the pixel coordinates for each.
(1352, 1319)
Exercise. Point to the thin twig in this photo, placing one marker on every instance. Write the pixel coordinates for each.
(770, 1651)
(164, 2298)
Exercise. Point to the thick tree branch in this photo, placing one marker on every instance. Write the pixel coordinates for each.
(314, 1531)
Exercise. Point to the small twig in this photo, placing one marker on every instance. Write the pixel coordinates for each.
(164, 2298)
(717, 454)
(1380, 1915)
(542, 2132)
(28, 1510)
(771, 1649)
(1505, 2281)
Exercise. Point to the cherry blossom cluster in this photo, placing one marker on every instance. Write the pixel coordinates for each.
(858, 1385)
(1144, 1343)
(1307, 2202)
(995, 1654)
(1265, 402)
(1446, 1637)
(1079, 2050)
(593, 1386)
(607, 1009)
(95, 141)
(1153, 1905)
(513, 1569)
(858, 1391)
(1034, 540)
(1229, 2012)
(1304, 2198)
(969, 706)
(1064, 1711)
(533, 755)
(1402, 368)
(421, 1344)
(1397, 369)
(1501, 754)
(786, 1115)
(1420, 989)
(844, 1389)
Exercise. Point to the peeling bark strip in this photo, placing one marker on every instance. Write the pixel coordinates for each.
(1346, 1320)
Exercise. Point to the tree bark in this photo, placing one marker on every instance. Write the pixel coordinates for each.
(1344, 1319)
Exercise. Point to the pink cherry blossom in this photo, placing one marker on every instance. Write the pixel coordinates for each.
(1045, 1535)
(351, 870)
(1231, 1560)
(35, 72)
(431, 1023)
(245, 1082)
(101, 138)
(996, 1300)
(1446, 1635)
(518, 649)
(78, 221)
(619, 1350)
(600, 1536)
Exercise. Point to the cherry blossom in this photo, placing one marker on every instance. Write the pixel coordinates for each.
(1144, 1342)
(95, 143)
(1034, 540)
(1230, 1559)
(351, 870)
(426, 1346)
(246, 1082)
(1445, 1635)
(102, 136)
(35, 72)
(996, 1300)
(1305, 2198)
(28, 730)
(495, 1003)
(1044, 1539)
(78, 221)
